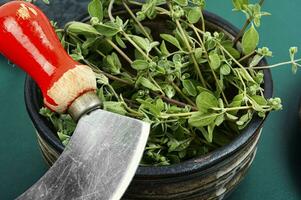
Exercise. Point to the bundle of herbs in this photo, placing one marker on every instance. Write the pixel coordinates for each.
(157, 61)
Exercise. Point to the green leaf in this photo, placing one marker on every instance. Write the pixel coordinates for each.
(169, 91)
(81, 28)
(234, 52)
(231, 117)
(62, 136)
(148, 104)
(190, 88)
(225, 69)
(205, 101)
(255, 60)
(200, 120)
(236, 102)
(260, 100)
(140, 65)
(210, 129)
(175, 145)
(244, 120)
(108, 29)
(120, 41)
(219, 120)
(115, 107)
(102, 79)
(293, 51)
(142, 43)
(148, 84)
(239, 4)
(95, 9)
(77, 57)
(245, 75)
(250, 40)
(194, 15)
(181, 2)
(90, 42)
(164, 49)
(215, 61)
(46, 1)
(171, 39)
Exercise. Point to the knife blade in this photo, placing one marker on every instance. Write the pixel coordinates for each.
(99, 161)
(105, 149)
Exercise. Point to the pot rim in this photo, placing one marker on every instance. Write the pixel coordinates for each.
(186, 167)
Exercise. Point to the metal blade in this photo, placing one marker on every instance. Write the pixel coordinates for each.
(99, 161)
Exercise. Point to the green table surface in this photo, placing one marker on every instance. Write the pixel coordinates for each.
(275, 173)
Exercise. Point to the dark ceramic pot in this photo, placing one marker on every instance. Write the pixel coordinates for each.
(212, 176)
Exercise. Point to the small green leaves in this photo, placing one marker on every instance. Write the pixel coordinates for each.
(250, 40)
(194, 15)
(293, 51)
(239, 4)
(205, 101)
(116, 107)
(95, 9)
(171, 39)
(196, 86)
(169, 91)
(265, 51)
(275, 103)
(112, 63)
(102, 79)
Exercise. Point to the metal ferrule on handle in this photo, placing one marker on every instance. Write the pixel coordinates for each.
(83, 105)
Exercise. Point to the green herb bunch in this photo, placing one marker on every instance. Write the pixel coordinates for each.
(197, 87)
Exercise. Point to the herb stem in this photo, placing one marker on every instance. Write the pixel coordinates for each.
(114, 92)
(115, 78)
(246, 56)
(140, 25)
(175, 102)
(110, 76)
(275, 65)
(100, 53)
(203, 22)
(196, 66)
(166, 115)
(182, 94)
(119, 51)
(110, 8)
(245, 26)
(136, 46)
(207, 56)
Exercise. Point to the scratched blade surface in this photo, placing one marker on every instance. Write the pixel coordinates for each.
(99, 161)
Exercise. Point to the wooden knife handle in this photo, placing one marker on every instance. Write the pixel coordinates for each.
(29, 41)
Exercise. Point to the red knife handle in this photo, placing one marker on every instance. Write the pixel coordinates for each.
(28, 40)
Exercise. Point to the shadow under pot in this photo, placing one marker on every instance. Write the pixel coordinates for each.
(212, 176)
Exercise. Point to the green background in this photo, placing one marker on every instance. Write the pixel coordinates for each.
(275, 173)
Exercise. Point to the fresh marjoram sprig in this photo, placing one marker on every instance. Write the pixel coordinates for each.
(198, 88)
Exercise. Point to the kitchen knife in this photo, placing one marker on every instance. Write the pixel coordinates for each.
(105, 149)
